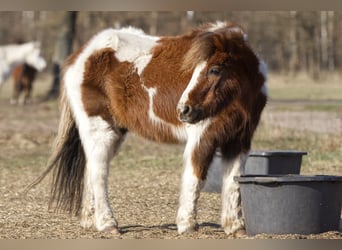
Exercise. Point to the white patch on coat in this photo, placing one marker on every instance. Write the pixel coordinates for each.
(178, 131)
(129, 44)
(135, 47)
(195, 132)
(192, 84)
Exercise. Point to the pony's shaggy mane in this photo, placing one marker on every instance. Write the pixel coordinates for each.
(207, 39)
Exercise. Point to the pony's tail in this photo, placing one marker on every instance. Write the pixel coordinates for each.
(67, 162)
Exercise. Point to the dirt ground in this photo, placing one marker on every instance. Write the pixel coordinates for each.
(144, 182)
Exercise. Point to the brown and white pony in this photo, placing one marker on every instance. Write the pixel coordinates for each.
(23, 76)
(12, 55)
(206, 88)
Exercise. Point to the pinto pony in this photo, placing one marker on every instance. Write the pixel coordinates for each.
(206, 88)
(14, 54)
(23, 76)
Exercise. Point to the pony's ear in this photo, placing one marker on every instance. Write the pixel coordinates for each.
(209, 39)
(237, 30)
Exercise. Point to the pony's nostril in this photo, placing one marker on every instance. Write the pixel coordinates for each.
(186, 113)
(186, 110)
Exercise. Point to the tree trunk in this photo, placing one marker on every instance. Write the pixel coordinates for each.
(63, 49)
(184, 21)
(294, 57)
(316, 66)
(331, 46)
(324, 40)
(154, 23)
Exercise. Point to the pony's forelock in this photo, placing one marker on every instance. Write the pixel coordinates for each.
(209, 37)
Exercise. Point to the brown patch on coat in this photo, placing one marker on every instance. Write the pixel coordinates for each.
(97, 68)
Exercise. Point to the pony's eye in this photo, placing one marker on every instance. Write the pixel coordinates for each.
(215, 70)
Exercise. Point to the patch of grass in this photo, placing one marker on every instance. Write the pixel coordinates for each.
(301, 87)
(337, 107)
(323, 107)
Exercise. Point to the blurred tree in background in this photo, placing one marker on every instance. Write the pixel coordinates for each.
(289, 42)
(63, 48)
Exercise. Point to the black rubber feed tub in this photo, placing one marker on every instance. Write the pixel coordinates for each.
(293, 204)
(280, 162)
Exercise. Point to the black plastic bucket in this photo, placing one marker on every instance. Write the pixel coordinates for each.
(281, 162)
(294, 204)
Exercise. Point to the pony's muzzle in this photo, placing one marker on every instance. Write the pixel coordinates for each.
(187, 113)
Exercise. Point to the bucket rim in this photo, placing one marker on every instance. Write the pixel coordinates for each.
(262, 153)
(262, 179)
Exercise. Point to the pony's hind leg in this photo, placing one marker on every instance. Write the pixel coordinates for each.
(27, 93)
(16, 92)
(232, 219)
(100, 142)
(88, 207)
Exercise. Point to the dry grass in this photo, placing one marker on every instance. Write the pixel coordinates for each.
(301, 87)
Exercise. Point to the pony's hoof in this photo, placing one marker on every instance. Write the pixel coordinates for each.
(87, 219)
(240, 233)
(187, 228)
(235, 233)
(108, 226)
(87, 223)
(115, 231)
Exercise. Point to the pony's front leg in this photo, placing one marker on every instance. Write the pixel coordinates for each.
(232, 218)
(197, 158)
(190, 191)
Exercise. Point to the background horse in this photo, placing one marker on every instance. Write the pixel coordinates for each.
(15, 54)
(206, 88)
(23, 76)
